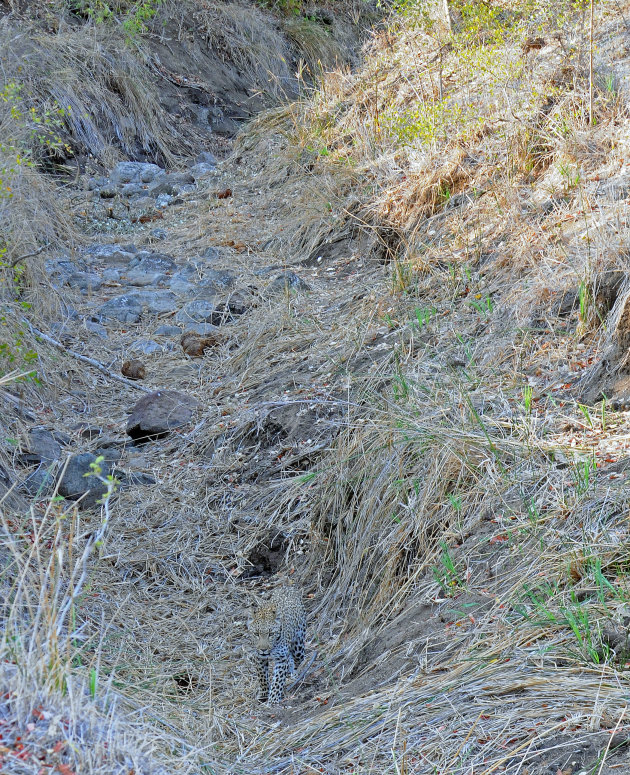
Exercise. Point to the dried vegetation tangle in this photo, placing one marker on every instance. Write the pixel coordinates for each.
(418, 435)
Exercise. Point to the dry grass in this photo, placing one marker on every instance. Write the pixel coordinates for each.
(245, 36)
(462, 555)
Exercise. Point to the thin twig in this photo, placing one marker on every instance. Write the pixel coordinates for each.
(17, 260)
(84, 359)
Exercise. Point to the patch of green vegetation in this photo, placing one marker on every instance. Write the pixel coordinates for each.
(133, 15)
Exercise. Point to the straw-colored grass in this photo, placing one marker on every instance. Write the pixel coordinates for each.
(411, 430)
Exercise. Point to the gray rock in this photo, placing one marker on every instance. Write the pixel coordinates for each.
(111, 275)
(95, 183)
(211, 253)
(40, 483)
(143, 205)
(168, 331)
(132, 189)
(147, 346)
(213, 282)
(200, 170)
(161, 186)
(112, 254)
(195, 312)
(74, 484)
(59, 270)
(139, 479)
(287, 282)
(171, 184)
(96, 328)
(147, 261)
(203, 329)
(141, 279)
(43, 445)
(158, 413)
(134, 171)
(84, 281)
(181, 178)
(126, 308)
(206, 157)
(164, 200)
(158, 302)
(158, 234)
(182, 285)
(109, 454)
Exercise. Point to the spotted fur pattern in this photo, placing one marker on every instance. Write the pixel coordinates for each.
(279, 628)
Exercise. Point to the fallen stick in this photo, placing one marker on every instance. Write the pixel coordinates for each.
(84, 359)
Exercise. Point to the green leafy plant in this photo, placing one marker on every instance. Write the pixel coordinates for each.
(446, 573)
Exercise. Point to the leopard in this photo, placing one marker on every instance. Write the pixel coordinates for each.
(279, 628)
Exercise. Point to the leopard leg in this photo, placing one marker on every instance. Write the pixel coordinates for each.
(282, 661)
(262, 670)
(297, 648)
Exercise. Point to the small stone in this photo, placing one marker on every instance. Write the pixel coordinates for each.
(200, 170)
(167, 330)
(158, 234)
(206, 157)
(84, 281)
(96, 328)
(132, 189)
(147, 346)
(141, 279)
(287, 282)
(195, 312)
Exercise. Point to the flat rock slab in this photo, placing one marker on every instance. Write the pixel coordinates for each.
(74, 484)
(153, 262)
(126, 309)
(158, 413)
(43, 445)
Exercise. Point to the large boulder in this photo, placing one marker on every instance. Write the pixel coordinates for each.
(158, 413)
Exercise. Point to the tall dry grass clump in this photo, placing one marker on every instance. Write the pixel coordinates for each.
(59, 706)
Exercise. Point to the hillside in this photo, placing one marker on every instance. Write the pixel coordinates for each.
(333, 306)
